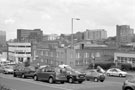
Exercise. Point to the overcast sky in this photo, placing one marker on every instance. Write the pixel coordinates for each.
(54, 16)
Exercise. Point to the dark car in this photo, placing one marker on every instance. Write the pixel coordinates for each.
(50, 74)
(24, 72)
(95, 75)
(129, 83)
(74, 75)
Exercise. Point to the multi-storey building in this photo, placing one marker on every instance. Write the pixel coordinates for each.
(19, 52)
(26, 35)
(124, 34)
(97, 34)
(73, 57)
(50, 37)
(2, 37)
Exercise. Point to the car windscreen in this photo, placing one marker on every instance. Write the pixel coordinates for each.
(8, 67)
(30, 69)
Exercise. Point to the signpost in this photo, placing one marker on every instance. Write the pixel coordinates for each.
(94, 55)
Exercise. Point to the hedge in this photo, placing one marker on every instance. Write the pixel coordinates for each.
(125, 66)
(103, 65)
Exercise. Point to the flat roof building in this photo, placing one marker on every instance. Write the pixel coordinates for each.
(19, 52)
(97, 34)
(27, 35)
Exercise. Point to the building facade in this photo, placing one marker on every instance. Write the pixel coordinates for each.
(74, 57)
(19, 52)
(2, 37)
(50, 37)
(26, 35)
(124, 34)
(97, 34)
(125, 57)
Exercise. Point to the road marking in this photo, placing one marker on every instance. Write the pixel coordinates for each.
(42, 84)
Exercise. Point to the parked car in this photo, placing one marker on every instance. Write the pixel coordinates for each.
(8, 70)
(50, 74)
(25, 72)
(116, 72)
(95, 75)
(129, 83)
(1, 69)
(73, 75)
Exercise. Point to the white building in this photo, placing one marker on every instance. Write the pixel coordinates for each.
(96, 34)
(50, 37)
(19, 52)
(122, 57)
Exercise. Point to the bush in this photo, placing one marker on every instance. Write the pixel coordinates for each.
(126, 67)
(103, 65)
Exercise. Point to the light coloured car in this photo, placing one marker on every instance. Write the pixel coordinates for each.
(116, 72)
(8, 70)
(129, 83)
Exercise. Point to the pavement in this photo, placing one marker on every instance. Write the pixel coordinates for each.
(111, 83)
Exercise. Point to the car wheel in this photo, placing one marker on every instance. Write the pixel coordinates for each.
(70, 80)
(80, 81)
(14, 75)
(128, 88)
(62, 82)
(23, 76)
(50, 80)
(101, 80)
(120, 75)
(36, 78)
(95, 79)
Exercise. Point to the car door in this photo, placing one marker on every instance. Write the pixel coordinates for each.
(18, 72)
(93, 74)
(44, 73)
(115, 72)
(111, 72)
(89, 75)
(48, 72)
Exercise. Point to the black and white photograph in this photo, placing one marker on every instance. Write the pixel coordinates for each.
(67, 45)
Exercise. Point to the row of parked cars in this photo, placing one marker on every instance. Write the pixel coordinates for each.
(63, 73)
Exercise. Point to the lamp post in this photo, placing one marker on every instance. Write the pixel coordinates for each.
(72, 37)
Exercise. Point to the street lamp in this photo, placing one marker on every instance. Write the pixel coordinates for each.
(72, 37)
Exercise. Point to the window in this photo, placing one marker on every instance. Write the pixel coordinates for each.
(78, 55)
(133, 60)
(46, 53)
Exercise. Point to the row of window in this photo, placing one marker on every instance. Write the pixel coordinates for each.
(47, 61)
(61, 54)
(20, 52)
(19, 46)
(126, 60)
(51, 54)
